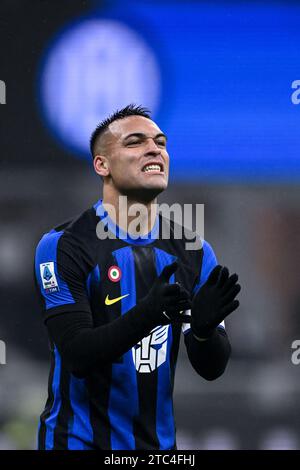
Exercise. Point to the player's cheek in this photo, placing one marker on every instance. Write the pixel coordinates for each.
(167, 162)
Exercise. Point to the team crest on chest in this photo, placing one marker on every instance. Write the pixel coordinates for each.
(114, 273)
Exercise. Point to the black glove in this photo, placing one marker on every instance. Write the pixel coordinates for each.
(214, 301)
(164, 302)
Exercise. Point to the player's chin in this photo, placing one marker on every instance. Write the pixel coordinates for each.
(155, 181)
(154, 187)
(146, 192)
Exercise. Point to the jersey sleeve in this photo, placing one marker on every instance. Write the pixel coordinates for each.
(209, 261)
(60, 276)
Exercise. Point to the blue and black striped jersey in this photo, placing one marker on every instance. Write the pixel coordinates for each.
(126, 404)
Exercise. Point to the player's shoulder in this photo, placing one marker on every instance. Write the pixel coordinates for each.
(180, 234)
(76, 231)
(207, 248)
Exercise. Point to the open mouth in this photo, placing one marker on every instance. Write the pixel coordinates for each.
(153, 168)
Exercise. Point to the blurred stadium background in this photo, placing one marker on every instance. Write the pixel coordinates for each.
(218, 76)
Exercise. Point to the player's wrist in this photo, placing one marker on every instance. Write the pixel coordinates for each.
(204, 336)
(201, 331)
(200, 339)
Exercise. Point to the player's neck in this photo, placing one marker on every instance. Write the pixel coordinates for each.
(124, 210)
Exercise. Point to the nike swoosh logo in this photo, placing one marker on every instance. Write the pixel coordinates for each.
(113, 301)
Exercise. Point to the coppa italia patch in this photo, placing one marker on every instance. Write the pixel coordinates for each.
(114, 273)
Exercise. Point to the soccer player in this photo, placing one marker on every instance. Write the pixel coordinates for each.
(115, 306)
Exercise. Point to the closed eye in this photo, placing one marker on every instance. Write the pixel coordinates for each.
(134, 142)
(161, 143)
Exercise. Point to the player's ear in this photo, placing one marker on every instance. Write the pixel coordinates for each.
(101, 165)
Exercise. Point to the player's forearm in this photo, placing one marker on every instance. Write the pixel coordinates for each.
(84, 348)
(209, 358)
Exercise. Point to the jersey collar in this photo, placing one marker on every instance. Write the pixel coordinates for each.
(122, 234)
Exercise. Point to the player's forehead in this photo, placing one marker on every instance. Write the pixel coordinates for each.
(122, 128)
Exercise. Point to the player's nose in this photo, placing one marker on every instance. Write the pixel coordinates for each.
(152, 148)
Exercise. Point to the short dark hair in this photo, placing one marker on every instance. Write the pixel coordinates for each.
(130, 110)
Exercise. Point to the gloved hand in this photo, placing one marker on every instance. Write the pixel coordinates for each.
(164, 302)
(214, 301)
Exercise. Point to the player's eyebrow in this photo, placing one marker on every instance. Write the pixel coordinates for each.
(141, 135)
